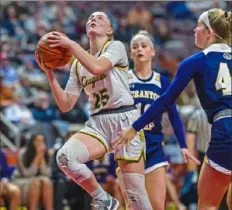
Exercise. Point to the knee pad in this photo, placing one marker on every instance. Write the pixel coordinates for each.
(70, 159)
(136, 192)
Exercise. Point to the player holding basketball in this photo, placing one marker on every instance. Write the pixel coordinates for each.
(103, 74)
(146, 86)
(211, 70)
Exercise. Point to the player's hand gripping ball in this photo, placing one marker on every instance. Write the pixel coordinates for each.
(52, 57)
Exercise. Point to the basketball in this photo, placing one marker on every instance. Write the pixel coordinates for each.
(52, 57)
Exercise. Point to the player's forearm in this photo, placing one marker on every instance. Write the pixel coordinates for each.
(155, 110)
(177, 125)
(165, 100)
(191, 142)
(91, 63)
(59, 94)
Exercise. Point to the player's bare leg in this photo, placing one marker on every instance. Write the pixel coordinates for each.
(212, 186)
(229, 196)
(157, 190)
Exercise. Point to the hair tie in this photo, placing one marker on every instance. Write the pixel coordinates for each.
(226, 14)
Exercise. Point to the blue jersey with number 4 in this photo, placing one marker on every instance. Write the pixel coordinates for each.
(211, 70)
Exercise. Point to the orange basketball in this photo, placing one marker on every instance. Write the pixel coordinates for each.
(52, 57)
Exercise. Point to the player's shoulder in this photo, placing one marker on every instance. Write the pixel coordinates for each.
(194, 62)
(217, 48)
(115, 43)
(196, 57)
(157, 76)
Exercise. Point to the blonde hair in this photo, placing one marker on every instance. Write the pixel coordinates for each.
(144, 34)
(221, 21)
(111, 36)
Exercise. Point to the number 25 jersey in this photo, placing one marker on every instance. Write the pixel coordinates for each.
(109, 90)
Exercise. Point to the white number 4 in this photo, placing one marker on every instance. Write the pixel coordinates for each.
(224, 79)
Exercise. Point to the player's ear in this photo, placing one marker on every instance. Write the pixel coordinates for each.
(110, 31)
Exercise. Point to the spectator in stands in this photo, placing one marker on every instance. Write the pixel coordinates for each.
(8, 72)
(28, 92)
(12, 23)
(33, 172)
(8, 190)
(42, 110)
(6, 94)
(18, 113)
(35, 77)
(140, 16)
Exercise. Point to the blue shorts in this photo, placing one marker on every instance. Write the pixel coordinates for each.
(155, 158)
(219, 154)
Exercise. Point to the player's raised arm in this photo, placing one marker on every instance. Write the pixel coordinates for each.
(64, 100)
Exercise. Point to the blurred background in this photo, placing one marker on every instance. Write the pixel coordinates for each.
(29, 112)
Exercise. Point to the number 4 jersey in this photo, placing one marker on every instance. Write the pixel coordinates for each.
(109, 90)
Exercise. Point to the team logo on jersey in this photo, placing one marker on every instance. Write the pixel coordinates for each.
(157, 77)
(227, 56)
(92, 80)
(130, 76)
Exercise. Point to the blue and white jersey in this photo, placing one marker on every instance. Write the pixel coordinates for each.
(144, 92)
(211, 70)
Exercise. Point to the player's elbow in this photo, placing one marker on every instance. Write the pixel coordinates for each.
(98, 70)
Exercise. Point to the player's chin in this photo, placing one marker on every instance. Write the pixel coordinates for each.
(198, 44)
(91, 32)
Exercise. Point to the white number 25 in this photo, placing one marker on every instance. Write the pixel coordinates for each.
(224, 79)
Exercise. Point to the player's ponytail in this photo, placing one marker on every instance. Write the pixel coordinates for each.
(221, 22)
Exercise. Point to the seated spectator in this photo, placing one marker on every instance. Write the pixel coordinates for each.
(28, 92)
(32, 174)
(6, 94)
(139, 15)
(35, 77)
(42, 110)
(8, 72)
(8, 190)
(49, 119)
(18, 113)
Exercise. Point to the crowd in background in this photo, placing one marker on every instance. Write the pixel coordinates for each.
(40, 128)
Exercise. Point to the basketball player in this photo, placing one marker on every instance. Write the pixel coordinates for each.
(211, 70)
(146, 86)
(103, 74)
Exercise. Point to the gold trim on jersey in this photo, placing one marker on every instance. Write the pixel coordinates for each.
(117, 170)
(136, 159)
(99, 138)
(104, 47)
(122, 68)
(141, 135)
(206, 159)
(77, 66)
